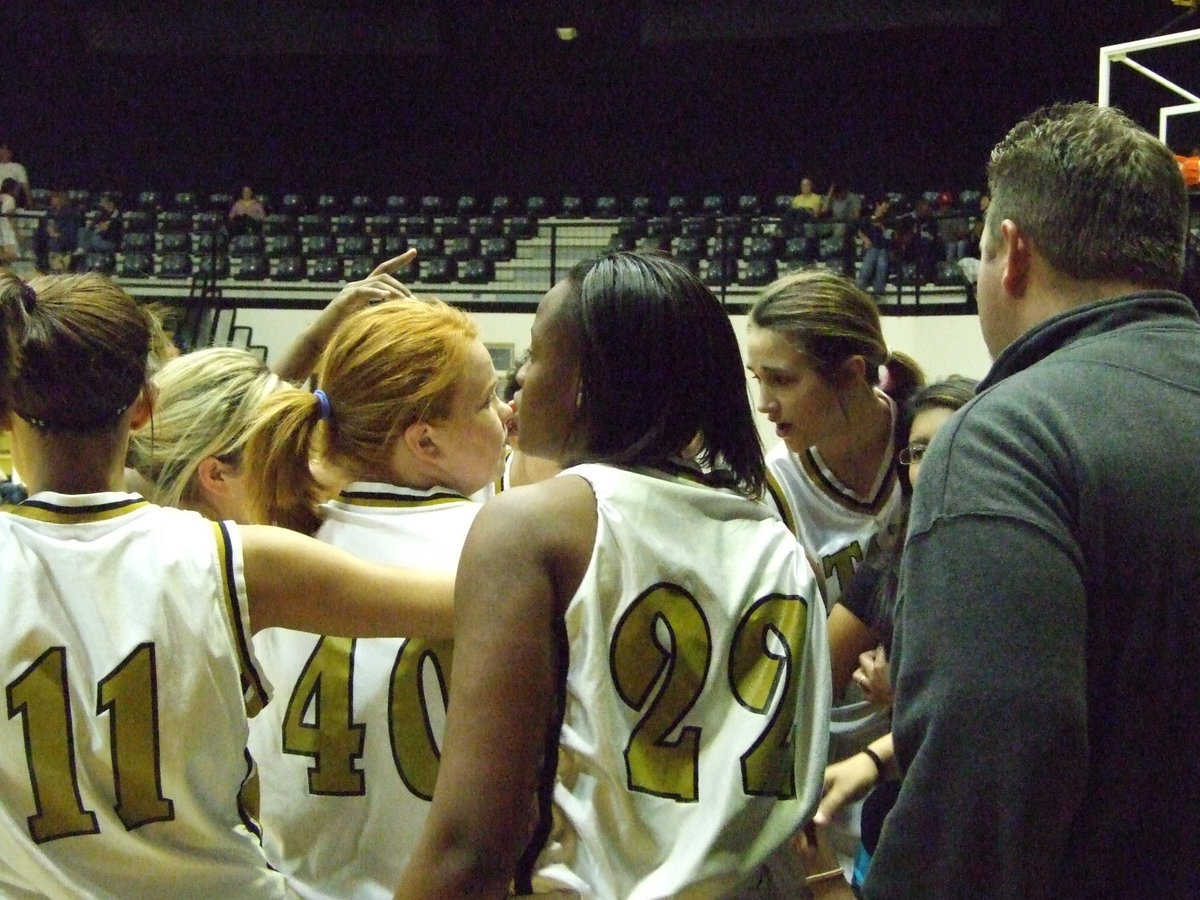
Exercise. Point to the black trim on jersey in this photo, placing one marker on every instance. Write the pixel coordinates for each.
(402, 497)
(834, 492)
(236, 604)
(89, 510)
(523, 878)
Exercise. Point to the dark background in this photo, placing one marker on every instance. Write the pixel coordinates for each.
(657, 96)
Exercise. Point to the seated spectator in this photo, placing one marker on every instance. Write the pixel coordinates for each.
(807, 199)
(58, 234)
(247, 213)
(10, 252)
(16, 171)
(104, 234)
(873, 236)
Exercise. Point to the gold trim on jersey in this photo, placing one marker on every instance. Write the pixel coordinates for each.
(780, 498)
(254, 691)
(838, 493)
(40, 511)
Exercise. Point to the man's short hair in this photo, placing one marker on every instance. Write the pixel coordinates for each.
(1099, 197)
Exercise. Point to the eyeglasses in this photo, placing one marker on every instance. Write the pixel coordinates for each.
(912, 454)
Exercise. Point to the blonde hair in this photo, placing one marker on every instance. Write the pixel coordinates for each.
(829, 319)
(385, 368)
(207, 401)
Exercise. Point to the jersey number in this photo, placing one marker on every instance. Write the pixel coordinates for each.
(129, 694)
(663, 640)
(319, 720)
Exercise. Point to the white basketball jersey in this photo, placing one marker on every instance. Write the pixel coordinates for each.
(836, 527)
(697, 696)
(348, 750)
(128, 676)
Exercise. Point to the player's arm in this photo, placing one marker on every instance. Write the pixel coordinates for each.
(522, 561)
(849, 637)
(298, 582)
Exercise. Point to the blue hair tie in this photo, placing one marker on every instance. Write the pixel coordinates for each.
(326, 409)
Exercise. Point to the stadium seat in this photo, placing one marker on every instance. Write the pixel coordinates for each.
(138, 242)
(678, 205)
(760, 272)
(99, 262)
(537, 206)
(362, 204)
(207, 220)
(782, 204)
(328, 205)
(631, 226)
(437, 270)
(253, 268)
(278, 245)
(450, 226)
(520, 228)
(502, 205)
(149, 200)
(466, 205)
(661, 225)
(346, 223)
(760, 247)
(653, 243)
(139, 220)
(359, 267)
(173, 221)
(497, 249)
(326, 268)
(220, 201)
(572, 206)
(426, 245)
(642, 206)
(396, 205)
(380, 224)
(185, 201)
(415, 226)
(433, 205)
(391, 245)
(246, 244)
(293, 204)
(477, 271)
(690, 247)
(461, 248)
(139, 264)
(312, 223)
(484, 226)
(212, 266)
(175, 265)
(289, 268)
(720, 271)
(606, 207)
(172, 242)
(205, 241)
(749, 205)
(355, 245)
(696, 226)
(713, 204)
(318, 245)
(621, 242)
(279, 223)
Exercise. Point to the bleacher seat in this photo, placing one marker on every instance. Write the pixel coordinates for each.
(571, 206)
(720, 271)
(678, 205)
(138, 264)
(139, 220)
(466, 205)
(728, 245)
(760, 272)
(382, 223)
(279, 223)
(760, 247)
(484, 226)
(185, 201)
(798, 250)
(520, 228)
(782, 204)
(461, 248)
(80, 197)
(277, 245)
(437, 270)
(414, 226)
(537, 206)
(359, 267)
(690, 246)
(642, 205)
(477, 271)
(212, 266)
(208, 220)
(172, 220)
(326, 268)
(289, 268)
(621, 243)
(606, 207)
(391, 245)
(312, 223)
(318, 245)
(653, 243)
(254, 267)
(175, 265)
(749, 205)
(293, 204)
(138, 242)
(205, 241)
(174, 242)
(713, 204)
(502, 205)
(396, 205)
(220, 201)
(356, 245)
(657, 226)
(497, 249)
(246, 244)
(631, 226)
(346, 223)
(426, 245)
(433, 205)
(99, 262)
(696, 226)
(362, 204)
(450, 226)
(149, 200)
(328, 205)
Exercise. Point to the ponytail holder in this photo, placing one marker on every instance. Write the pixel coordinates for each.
(326, 408)
(28, 297)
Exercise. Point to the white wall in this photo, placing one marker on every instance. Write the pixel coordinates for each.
(943, 345)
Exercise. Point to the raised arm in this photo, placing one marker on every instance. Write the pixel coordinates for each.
(294, 581)
(301, 356)
(520, 564)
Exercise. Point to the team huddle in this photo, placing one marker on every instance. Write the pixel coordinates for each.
(395, 636)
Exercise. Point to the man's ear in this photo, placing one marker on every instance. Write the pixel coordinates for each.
(1018, 258)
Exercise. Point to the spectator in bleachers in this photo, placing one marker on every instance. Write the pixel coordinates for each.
(807, 199)
(873, 236)
(104, 234)
(12, 169)
(10, 252)
(841, 207)
(58, 234)
(247, 213)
